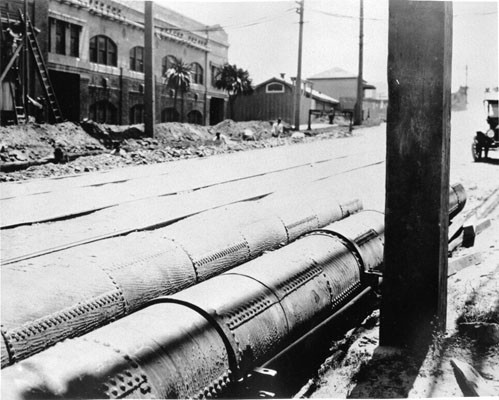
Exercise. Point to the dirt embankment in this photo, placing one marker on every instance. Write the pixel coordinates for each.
(93, 147)
(34, 142)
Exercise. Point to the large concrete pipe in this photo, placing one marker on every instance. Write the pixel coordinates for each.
(194, 343)
(68, 293)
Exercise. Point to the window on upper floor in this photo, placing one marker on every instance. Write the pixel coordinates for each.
(197, 73)
(137, 59)
(166, 63)
(74, 41)
(215, 70)
(103, 50)
(64, 38)
(60, 37)
(274, 88)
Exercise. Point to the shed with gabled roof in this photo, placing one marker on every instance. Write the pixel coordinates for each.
(274, 98)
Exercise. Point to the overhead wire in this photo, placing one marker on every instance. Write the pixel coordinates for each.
(258, 21)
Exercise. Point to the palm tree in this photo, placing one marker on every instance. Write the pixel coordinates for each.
(234, 81)
(178, 77)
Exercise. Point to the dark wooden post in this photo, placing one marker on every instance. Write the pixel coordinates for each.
(149, 90)
(414, 296)
(360, 80)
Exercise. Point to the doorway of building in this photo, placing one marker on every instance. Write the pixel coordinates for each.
(216, 110)
(195, 117)
(170, 115)
(67, 90)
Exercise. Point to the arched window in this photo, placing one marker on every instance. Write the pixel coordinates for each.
(195, 117)
(103, 50)
(170, 115)
(137, 114)
(274, 88)
(103, 112)
(166, 63)
(137, 59)
(197, 73)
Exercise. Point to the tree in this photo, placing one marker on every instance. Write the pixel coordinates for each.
(234, 81)
(178, 77)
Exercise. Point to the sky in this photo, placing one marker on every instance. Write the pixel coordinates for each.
(263, 37)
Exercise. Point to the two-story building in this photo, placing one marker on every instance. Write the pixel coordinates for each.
(94, 51)
(341, 84)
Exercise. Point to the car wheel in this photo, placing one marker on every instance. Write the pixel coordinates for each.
(476, 151)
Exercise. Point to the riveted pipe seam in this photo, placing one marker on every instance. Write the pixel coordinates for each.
(235, 320)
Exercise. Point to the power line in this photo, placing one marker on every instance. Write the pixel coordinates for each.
(258, 22)
(211, 28)
(345, 16)
(471, 14)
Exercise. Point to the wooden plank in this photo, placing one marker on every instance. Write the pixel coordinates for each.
(472, 228)
(417, 180)
(460, 263)
(469, 380)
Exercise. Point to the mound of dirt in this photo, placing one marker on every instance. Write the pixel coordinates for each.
(236, 130)
(179, 132)
(173, 134)
(34, 142)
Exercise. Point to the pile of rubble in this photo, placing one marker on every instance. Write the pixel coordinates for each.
(34, 142)
(28, 151)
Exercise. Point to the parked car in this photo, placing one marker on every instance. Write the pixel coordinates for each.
(483, 142)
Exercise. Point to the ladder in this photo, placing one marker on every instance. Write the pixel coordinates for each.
(19, 108)
(42, 70)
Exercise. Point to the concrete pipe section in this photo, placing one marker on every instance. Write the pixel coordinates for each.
(68, 293)
(198, 341)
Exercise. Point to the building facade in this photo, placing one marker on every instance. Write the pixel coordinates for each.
(341, 84)
(94, 51)
(275, 98)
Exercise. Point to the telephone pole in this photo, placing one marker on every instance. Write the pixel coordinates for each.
(414, 292)
(25, 64)
(206, 75)
(301, 3)
(149, 92)
(360, 84)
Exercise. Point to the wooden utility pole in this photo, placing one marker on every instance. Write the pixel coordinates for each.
(25, 65)
(360, 80)
(206, 76)
(149, 90)
(298, 73)
(414, 294)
